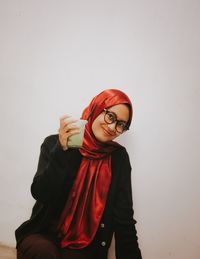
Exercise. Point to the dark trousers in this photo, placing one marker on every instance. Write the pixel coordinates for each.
(39, 246)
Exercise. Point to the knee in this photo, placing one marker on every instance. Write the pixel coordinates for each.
(38, 247)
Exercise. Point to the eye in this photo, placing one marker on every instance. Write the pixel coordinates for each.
(111, 116)
(121, 124)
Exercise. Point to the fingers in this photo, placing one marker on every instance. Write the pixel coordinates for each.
(72, 132)
(66, 122)
(64, 117)
(67, 129)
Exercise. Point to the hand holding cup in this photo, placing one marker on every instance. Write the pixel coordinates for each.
(68, 128)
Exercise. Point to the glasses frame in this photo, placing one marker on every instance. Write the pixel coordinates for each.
(116, 121)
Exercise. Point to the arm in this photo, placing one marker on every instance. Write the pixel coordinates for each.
(54, 156)
(126, 241)
(51, 170)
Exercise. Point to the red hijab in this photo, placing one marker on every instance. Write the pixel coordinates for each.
(86, 202)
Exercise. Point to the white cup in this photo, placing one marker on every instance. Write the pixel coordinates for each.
(76, 141)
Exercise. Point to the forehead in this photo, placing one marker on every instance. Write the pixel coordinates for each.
(121, 110)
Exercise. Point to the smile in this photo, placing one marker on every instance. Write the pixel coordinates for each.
(107, 132)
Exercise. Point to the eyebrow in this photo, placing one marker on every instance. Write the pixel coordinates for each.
(117, 116)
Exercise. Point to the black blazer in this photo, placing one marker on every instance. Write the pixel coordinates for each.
(51, 185)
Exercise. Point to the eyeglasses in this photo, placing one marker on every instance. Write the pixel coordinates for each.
(111, 117)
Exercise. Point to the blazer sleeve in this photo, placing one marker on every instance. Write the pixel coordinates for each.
(51, 171)
(126, 240)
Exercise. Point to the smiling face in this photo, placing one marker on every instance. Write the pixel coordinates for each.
(104, 132)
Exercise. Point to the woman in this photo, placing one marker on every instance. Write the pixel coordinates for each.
(83, 195)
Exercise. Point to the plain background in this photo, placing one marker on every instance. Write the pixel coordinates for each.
(56, 55)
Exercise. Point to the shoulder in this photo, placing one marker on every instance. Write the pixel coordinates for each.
(121, 152)
(121, 156)
(50, 141)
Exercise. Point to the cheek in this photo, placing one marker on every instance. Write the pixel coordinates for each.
(97, 125)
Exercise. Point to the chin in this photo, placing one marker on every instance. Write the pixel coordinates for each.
(102, 139)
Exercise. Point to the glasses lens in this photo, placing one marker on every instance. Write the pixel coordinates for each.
(110, 117)
(120, 127)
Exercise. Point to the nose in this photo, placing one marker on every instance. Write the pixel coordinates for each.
(112, 126)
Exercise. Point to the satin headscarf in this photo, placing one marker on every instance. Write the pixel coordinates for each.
(86, 202)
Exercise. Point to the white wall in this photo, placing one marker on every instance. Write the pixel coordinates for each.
(56, 55)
